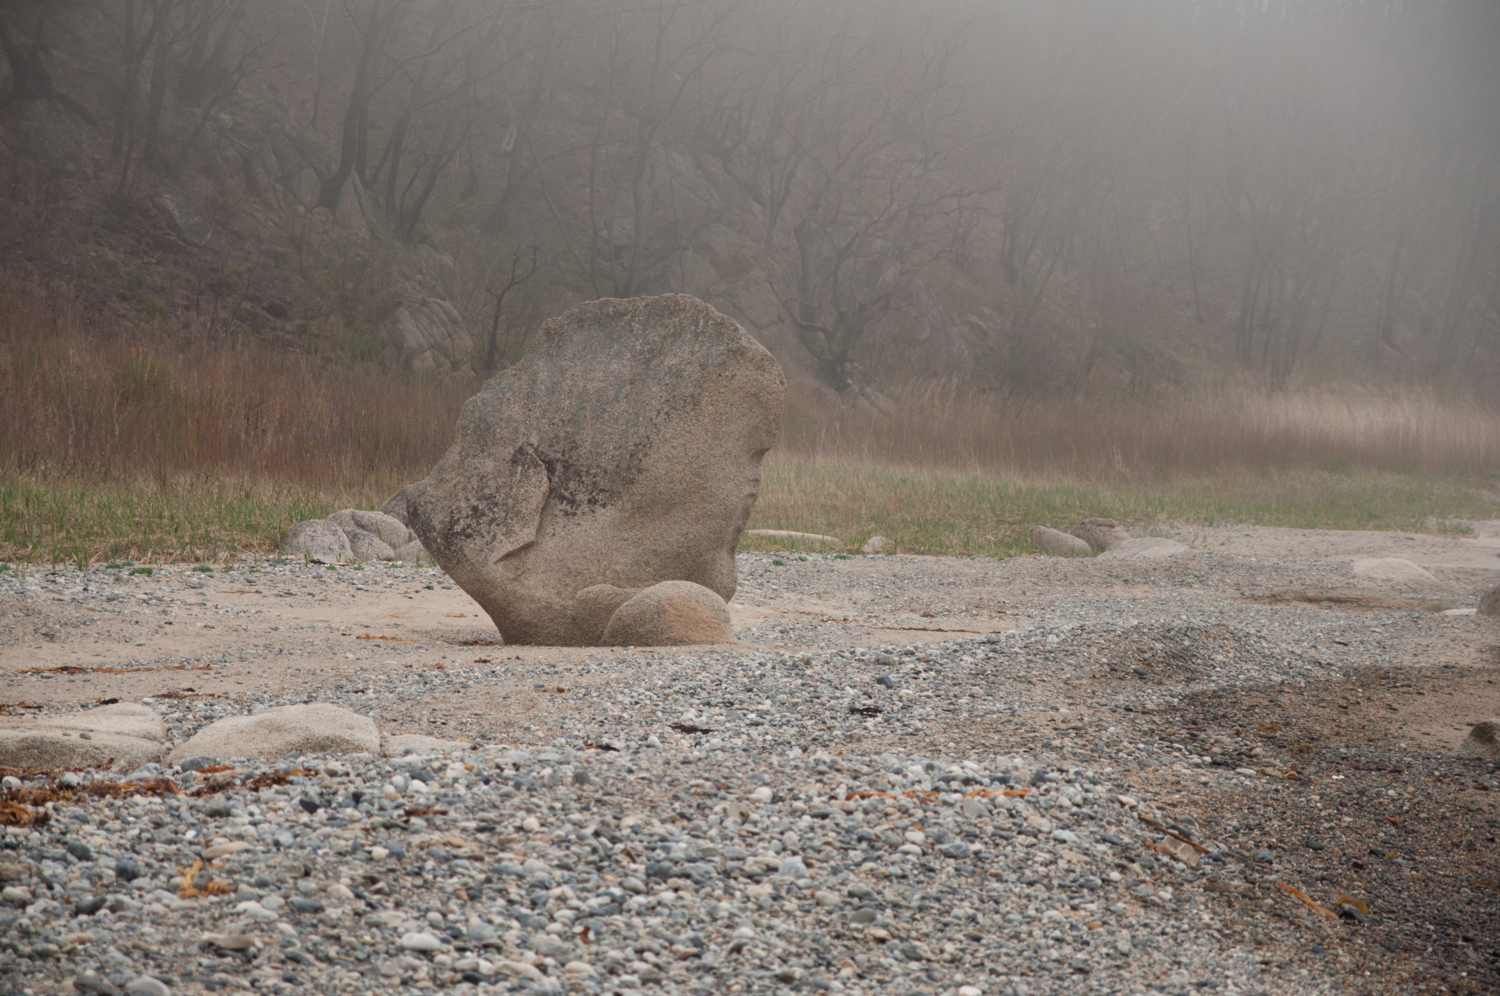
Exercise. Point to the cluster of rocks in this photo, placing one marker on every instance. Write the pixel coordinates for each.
(127, 736)
(355, 536)
(702, 869)
(1105, 538)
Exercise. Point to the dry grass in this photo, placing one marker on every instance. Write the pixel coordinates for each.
(120, 446)
(1234, 427)
(113, 406)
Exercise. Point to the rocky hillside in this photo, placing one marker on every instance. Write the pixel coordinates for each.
(1032, 203)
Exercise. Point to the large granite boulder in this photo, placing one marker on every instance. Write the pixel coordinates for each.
(624, 450)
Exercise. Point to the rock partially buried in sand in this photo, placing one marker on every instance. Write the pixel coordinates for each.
(1059, 544)
(673, 613)
(876, 545)
(1145, 548)
(1392, 569)
(286, 730)
(318, 540)
(1101, 534)
(1482, 743)
(816, 539)
(53, 748)
(412, 743)
(624, 449)
(126, 734)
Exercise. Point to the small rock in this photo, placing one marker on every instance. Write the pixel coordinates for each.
(145, 985)
(1058, 543)
(420, 941)
(320, 541)
(1392, 569)
(1146, 548)
(792, 867)
(1482, 743)
(1101, 534)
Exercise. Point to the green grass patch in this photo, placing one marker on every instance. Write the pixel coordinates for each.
(955, 512)
(43, 520)
(120, 524)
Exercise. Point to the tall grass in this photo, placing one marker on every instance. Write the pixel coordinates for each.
(113, 405)
(115, 444)
(1237, 426)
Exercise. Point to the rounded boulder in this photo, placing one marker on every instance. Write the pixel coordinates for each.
(672, 613)
(313, 728)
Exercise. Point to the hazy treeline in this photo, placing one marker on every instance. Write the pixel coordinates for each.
(1265, 181)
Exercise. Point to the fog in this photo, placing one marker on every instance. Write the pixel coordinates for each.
(1014, 194)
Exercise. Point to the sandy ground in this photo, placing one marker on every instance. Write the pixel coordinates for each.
(1409, 668)
(309, 628)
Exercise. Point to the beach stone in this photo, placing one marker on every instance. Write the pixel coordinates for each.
(1101, 534)
(145, 985)
(624, 449)
(1058, 543)
(1145, 548)
(386, 528)
(123, 734)
(318, 540)
(1482, 743)
(673, 613)
(401, 743)
(285, 730)
(128, 719)
(420, 941)
(367, 547)
(1392, 569)
(57, 748)
(876, 545)
(1489, 603)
